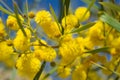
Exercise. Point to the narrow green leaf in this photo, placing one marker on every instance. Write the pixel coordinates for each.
(98, 50)
(55, 17)
(111, 21)
(61, 10)
(110, 6)
(18, 19)
(67, 3)
(84, 27)
(5, 11)
(26, 8)
(37, 76)
(50, 73)
(89, 7)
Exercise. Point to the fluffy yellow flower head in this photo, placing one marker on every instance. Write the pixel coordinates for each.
(79, 73)
(12, 22)
(2, 31)
(31, 14)
(79, 13)
(5, 51)
(37, 43)
(63, 72)
(21, 42)
(27, 31)
(115, 46)
(43, 18)
(53, 30)
(96, 34)
(69, 51)
(28, 65)
(45, 53)
(69, 22)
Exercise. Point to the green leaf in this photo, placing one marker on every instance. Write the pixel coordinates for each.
(110, 6)
(5, 11)
(67, 3)
(111, 21)
(50, 73)
(18, 19)
(55, 17)
(84, 27)
(64, 8)
(37, 76)
(98, 50)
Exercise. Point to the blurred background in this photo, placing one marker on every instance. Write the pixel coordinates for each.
(35, 5)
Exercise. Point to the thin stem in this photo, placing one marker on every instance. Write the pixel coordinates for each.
(115, 69)
(105, 68)
(37, 76)
(51, 72)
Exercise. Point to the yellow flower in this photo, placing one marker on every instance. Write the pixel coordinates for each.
(21, 42)
(28, 65)
(2, 30)
(52, 31)
(79, 13)
(63, 72)
(96, 34)
(31, 14)
(12, 22)
(43, 18)
(70, 50)
(79, 73)
(11, 60)
(5, 51)
(27, 31)
(45, 53)
(7, 55)
(115, 46)
(66, 38)
(38, 45)
(69, 22)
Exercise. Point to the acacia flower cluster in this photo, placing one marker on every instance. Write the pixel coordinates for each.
(77, 52)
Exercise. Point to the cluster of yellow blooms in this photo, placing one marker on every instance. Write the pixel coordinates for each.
(27, 53)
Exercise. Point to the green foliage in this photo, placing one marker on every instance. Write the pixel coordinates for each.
(5, 11)
(18, 19)
(111, 21)
(110, 5)
(84, 27)
(55, 17)
(98, 50)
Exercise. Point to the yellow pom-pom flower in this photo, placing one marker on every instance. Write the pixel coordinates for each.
(79, 13)
(45, 53)
(28, 65)
(12, 22)
(2, 31)
(7, 55)
(43, 18)
(69, 22)
(63, 72)
(21, 42)
(96, 34)
(52, 31)
(31, 14)
(5, 51)
(79, 73)
(70, 50)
